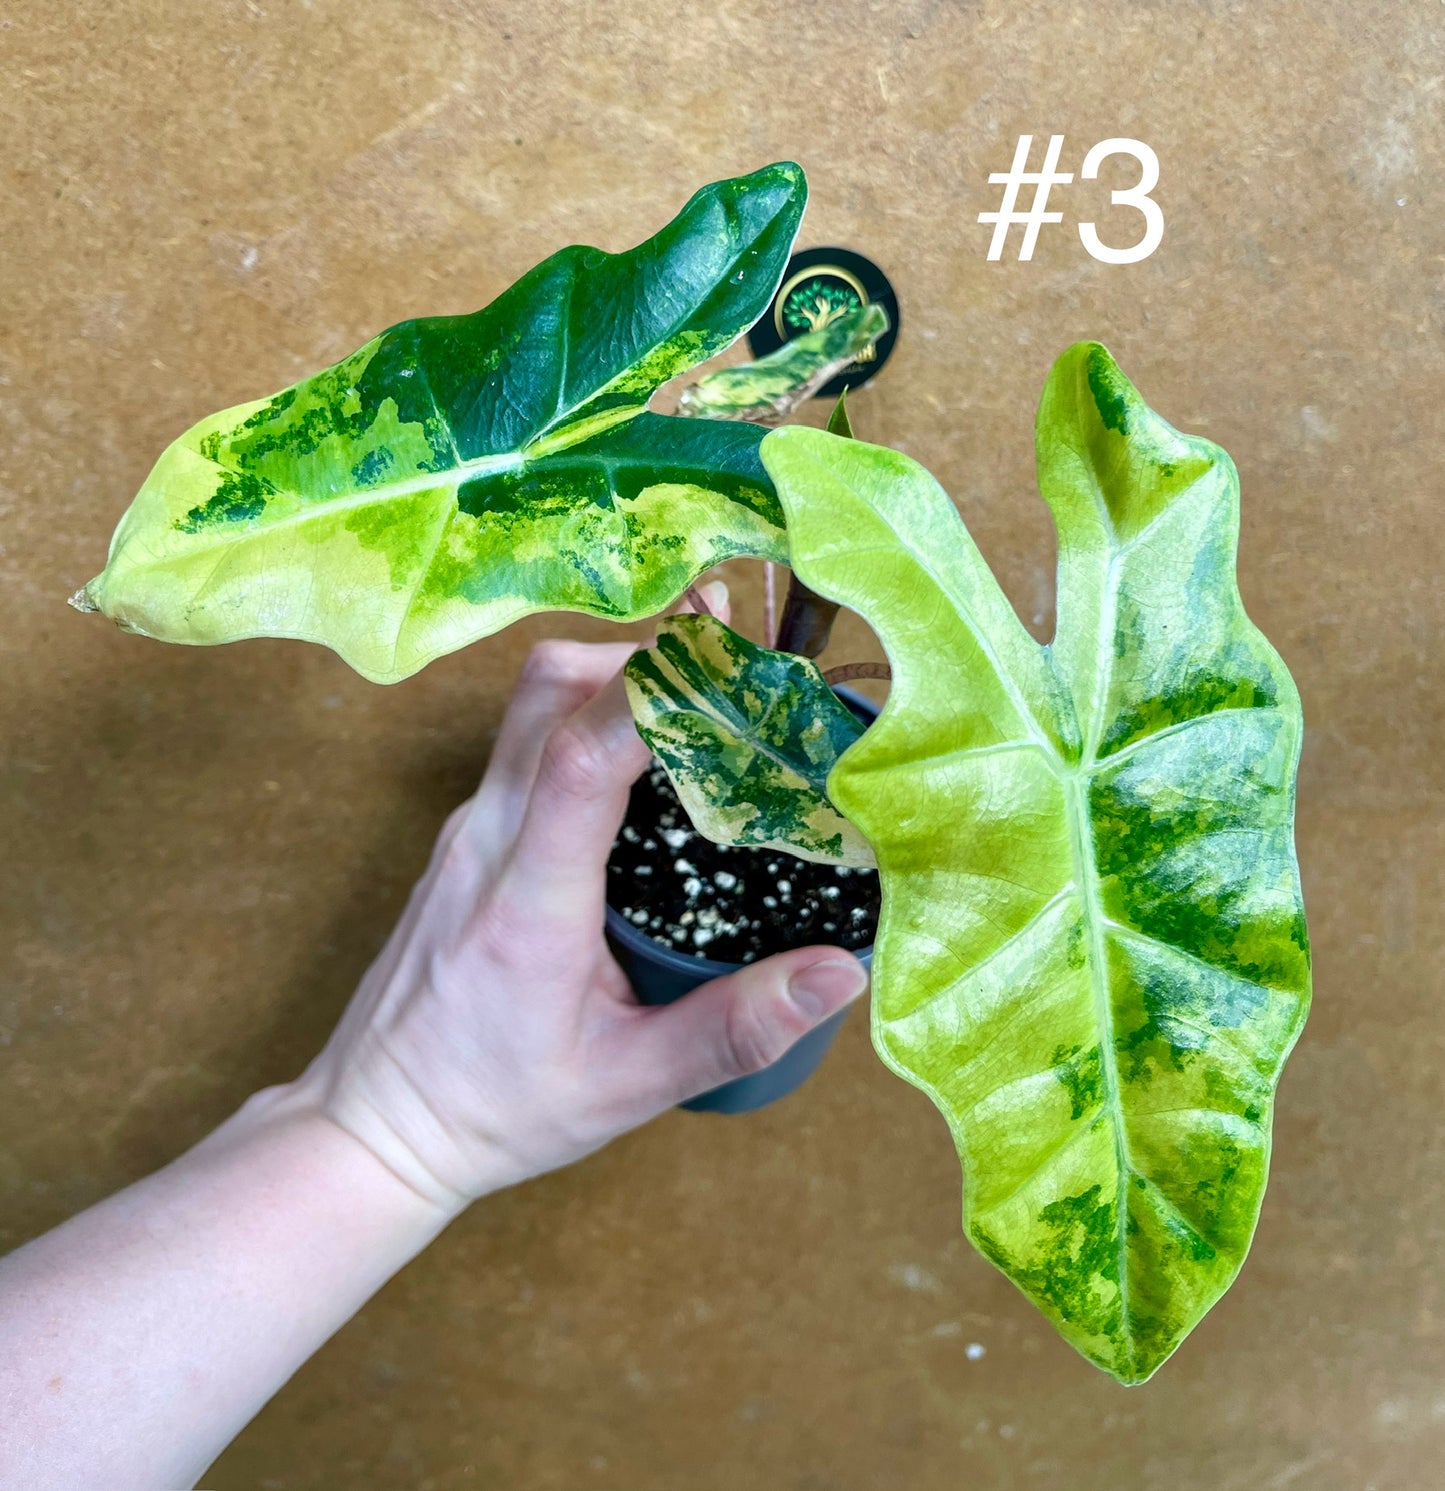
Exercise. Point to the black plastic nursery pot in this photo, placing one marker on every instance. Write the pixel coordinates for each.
(660, 974)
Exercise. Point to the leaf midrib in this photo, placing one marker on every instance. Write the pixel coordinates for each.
(1074, 778)
(452, 478)
(1086, 876)
(722, 717)
(1086, 884)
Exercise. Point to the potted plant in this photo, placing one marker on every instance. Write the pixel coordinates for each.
(1091, 951)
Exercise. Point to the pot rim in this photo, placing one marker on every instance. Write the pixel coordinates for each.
(641, 943)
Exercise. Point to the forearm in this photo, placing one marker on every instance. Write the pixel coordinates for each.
(495, 1038)
(137, 1339)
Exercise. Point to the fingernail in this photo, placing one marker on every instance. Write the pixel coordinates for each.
(822, 988)
(715, 593)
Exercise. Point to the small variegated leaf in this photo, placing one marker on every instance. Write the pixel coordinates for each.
(1092, 954)
(747, 736)
(769, 390)
(460, 472)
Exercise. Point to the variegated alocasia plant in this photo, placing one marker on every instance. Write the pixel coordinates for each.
(1092, 953)
(460, 472)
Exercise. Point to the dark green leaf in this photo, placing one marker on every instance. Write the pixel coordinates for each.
(459, 472)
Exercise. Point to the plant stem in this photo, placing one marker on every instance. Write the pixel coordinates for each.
(807, 621)
(695, 598)
(770, 603)
(847, 672)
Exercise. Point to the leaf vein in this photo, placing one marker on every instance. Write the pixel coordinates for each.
(1179, 952)
(1112, 758)
(1077, 1129)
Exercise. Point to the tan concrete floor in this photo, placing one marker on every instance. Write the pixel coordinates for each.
(202, 848)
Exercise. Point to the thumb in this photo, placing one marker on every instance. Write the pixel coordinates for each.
(740, 1023)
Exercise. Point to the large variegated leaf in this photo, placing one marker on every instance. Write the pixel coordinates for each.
(770, 389)
(460, 472)
(748, 737)
(1092, 953)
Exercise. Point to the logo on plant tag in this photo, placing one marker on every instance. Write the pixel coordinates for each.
(819, 285)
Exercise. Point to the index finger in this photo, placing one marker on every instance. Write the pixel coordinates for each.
(588, 764)
(557, 679)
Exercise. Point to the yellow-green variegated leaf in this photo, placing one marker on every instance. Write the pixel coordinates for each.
(460, 472)
(1092, 953)
(770, 389)
(748, 737)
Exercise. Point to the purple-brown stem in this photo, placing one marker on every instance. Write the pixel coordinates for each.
(807, 621)
(695, 598)
(847, 672)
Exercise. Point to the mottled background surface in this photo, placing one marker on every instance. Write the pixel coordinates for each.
(202, 849)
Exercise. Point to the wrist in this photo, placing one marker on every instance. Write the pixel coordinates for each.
(409, 1126)
(308, 1148)
(380, 1109)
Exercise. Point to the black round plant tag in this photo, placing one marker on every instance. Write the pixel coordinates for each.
(819, 285)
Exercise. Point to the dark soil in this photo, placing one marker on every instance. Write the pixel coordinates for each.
(734, 905)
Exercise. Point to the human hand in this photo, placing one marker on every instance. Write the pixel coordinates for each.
(495, 1037)
(492, 1039)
